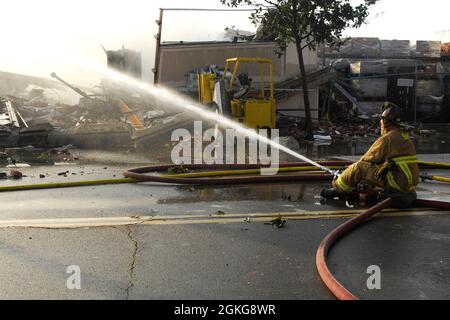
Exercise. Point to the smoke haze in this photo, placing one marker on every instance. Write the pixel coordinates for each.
(39, 37)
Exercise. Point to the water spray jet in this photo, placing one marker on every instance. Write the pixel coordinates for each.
(175, 99)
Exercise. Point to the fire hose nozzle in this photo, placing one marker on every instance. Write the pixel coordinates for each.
(335, 173)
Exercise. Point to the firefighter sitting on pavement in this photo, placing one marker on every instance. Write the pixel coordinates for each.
(390, 163)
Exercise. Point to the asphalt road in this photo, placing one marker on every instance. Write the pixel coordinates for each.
(147, 241)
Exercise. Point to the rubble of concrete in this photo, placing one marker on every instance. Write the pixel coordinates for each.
(22, 157)
(111, 115)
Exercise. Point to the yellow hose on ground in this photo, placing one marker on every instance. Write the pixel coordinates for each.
(206, 174)
(84, 183)
(70, 184)
(440, 179)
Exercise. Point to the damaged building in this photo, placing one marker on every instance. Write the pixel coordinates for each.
(353, 80)
(17, 128)
(371, 71)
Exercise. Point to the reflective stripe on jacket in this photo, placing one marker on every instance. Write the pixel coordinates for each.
(395, 156)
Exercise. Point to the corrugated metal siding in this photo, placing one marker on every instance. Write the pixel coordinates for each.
(428, 49)
(395, 48)
(355, 48)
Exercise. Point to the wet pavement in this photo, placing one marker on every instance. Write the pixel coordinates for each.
(436, 142)
(153, 241)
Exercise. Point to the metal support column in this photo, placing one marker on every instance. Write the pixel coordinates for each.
(158, 46)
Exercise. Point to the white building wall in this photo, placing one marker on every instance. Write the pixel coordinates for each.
(292, 67)
(178, 60)
(297, 105)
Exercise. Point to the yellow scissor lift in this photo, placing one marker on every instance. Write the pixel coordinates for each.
(255, 112)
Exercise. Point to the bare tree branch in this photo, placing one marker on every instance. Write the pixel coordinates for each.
(308, 44)
(307, 35)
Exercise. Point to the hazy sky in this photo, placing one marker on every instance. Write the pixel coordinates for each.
(40, 36)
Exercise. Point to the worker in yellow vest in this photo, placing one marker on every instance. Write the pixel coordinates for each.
(390, 163)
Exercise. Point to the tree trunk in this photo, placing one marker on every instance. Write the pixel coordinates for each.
(308, 120)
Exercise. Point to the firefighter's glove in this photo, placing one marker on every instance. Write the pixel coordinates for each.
(337, 174)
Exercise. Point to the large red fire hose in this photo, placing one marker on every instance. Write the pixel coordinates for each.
(140, 174)
(330, 281)
(321, 256)
(331, 239)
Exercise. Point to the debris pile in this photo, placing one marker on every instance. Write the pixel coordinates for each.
(21, 156)
(108, 116)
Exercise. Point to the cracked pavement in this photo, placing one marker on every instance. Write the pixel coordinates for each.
(133, 261)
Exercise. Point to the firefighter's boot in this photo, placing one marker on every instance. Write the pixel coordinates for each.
(331, 194)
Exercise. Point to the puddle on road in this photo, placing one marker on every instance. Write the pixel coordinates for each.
(438, 144)
(291, 194)
(267, 192)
